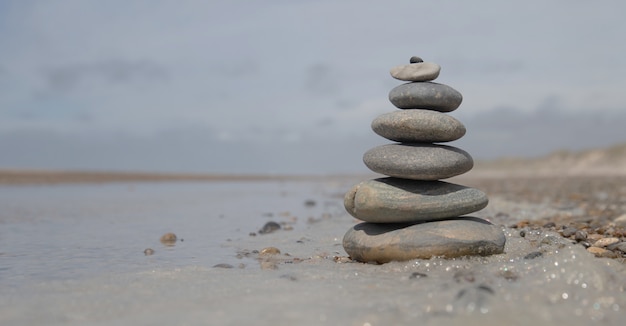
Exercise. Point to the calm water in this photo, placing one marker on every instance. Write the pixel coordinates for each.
(74, 231)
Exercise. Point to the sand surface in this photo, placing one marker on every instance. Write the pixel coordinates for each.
(74, 254)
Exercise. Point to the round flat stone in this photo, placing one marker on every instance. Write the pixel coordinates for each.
(418, 126)
(426, 95)
(393, 200)
(418, 161)
(463, 236)
(421, 71)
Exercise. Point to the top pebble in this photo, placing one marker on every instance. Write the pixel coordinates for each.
(417, 71)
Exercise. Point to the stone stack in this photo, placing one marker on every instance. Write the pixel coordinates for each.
(411, 214)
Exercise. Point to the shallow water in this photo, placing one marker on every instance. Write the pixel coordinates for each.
(73, 254)
(71, 231)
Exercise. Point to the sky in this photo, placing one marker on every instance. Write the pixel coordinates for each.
(289, 87)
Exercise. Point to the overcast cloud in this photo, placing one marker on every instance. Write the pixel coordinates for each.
(292, 86)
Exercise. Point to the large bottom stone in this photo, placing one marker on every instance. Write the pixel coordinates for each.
(462, 236)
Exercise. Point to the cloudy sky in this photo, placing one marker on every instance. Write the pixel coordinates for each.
(292, 86)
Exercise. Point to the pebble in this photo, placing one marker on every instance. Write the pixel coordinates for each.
(381, 243)
(394, 200)
(269, 251)
(569, 231)
(416, 59)
(148, 252)
(580, 235)
(416, 72)
(621, 246)
(533, 255)
(604, 242)
(426, 95)
(223, 265)
(269, 227)
(168, 239)
(417, 275)
(418, 126)
(418, 161)
(597, 251)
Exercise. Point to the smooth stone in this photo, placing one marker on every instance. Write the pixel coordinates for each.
(393, 200)
(463, 236)
(426, 95)
(418, 126)
(417, 72)
(418, 161)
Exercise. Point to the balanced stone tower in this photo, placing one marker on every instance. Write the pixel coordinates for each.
(411, 214)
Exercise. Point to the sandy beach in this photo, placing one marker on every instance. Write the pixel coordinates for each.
(73, 253)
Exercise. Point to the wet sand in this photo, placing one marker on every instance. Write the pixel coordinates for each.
(74, 254)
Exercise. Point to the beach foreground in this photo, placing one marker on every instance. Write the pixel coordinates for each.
(74, 254)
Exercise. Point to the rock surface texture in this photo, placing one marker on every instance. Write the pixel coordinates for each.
(411, 214)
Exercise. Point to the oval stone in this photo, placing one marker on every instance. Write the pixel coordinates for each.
(421, 71)
(426, 95)
(418, 126)
(463, 236)
(393, 200)
(418, 161)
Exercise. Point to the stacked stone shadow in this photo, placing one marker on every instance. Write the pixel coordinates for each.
(411, 213)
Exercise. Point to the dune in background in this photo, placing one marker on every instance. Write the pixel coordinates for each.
(602, 161)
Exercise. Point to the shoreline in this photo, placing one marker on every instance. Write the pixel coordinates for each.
(33, 177)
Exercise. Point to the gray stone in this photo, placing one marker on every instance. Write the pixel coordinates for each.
(418, 161)
(418, 126)
(393, 200)
(463, 236)
(426, 95)
(417, 72)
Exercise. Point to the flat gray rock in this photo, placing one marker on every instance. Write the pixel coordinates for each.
(426, 95)
(417, 72)
(418, 126)
(418, 161)
(463, 236)
(393, 200)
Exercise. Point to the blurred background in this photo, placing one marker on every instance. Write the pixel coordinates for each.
(290, 87)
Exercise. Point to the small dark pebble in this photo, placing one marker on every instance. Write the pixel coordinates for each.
(223, 266)
(310, 203)
(148, 252)
(533, 255)
(269, 227)
(585, 244)
(415, 59)
(252, 234)
(549, 225)
(580, 235)
(522, 233)
(416, 275)
(569, 231)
